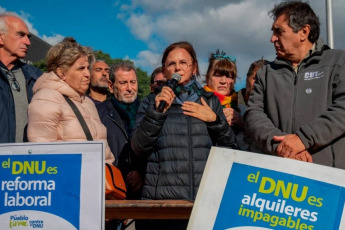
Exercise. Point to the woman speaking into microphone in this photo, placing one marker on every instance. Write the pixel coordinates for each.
(177, 138)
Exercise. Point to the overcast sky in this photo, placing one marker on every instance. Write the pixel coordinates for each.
(143, 28)
(240, 28)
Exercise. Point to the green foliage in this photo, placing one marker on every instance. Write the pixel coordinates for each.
(99, 55)
(42, 65)
(143, 83)
(143, 77)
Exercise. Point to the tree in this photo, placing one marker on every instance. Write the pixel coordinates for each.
(143, 78)
(99, 55)
(42, 65)
(143, 83)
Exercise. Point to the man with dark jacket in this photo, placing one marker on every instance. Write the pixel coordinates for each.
(16, 78)
(118, 116)
(297, 109)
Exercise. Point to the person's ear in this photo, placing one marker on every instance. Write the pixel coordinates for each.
(194, 69)
(164, 72)
(304, 32)
(60, 73)
(110, 86)
(2, 39)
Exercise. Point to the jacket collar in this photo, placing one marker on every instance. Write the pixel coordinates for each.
(320, 47)
(27, 70)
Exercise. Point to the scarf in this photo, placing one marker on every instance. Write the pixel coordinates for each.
(188, 92)
(127, 112)
(226, 101)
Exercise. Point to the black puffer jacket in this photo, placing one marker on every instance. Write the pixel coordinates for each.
(177, 146)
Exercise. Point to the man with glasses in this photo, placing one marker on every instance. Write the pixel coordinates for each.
(16, 78)
(297, 107)
(157, 79)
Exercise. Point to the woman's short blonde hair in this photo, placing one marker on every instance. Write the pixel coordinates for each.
(64, 54)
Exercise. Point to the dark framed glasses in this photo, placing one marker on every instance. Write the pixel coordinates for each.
(222, 57)
(160, 82)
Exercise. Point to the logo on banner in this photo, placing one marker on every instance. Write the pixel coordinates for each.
(23, 220)
(274, 200)
(35, 189)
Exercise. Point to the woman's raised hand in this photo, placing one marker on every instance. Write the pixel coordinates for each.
(166, 95)
(202, 112)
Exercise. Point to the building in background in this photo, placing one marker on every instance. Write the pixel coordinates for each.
(38, 49)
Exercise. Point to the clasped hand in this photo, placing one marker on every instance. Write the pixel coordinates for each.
(291, 146)
(233, 117)
(202, 112)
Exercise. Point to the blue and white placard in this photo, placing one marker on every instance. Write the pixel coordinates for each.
(52, 186)
(242, 190)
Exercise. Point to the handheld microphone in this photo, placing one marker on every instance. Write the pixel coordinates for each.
(175, 78)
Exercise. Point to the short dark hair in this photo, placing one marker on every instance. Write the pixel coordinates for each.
(124, 65)
(154, 73)
(298, 14)
(256, 65)
(183, 45)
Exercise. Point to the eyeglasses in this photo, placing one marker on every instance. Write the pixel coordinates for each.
(160, 82)
(13, 81)
(184, 64)
(222, 57)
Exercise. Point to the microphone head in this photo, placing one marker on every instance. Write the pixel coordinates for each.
(176, 77)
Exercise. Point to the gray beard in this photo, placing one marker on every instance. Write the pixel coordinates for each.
(99, 89)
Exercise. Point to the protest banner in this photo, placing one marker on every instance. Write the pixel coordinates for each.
(52, 185)
(248, 191)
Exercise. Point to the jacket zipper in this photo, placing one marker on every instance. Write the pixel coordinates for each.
(294, 101)
(191, 180)
(159, 173)
(124, 132)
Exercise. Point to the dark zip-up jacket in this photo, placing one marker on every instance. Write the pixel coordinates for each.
(119, 142)
(7, 108)
(309, 103)
(177, 147)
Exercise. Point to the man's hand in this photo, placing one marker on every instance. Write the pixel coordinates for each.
(134, 180)
(290, 145)
(303, 156)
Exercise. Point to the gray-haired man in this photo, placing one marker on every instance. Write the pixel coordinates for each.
(16, 78)
(297, 109)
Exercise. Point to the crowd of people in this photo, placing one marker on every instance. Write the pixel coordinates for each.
(292, 107)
